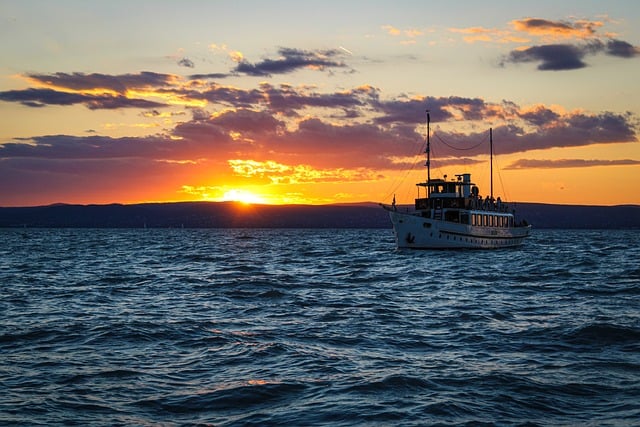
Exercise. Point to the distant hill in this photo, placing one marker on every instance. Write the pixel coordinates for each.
(235, 215)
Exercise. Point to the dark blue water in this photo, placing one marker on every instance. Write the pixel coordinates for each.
(316, 327)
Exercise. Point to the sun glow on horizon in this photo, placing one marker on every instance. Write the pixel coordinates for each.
(243, 196)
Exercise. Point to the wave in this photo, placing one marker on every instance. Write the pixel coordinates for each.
(599, 334)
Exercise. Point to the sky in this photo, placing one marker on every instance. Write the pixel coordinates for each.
(289, 102)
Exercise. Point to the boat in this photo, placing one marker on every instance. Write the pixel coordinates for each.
(454, 215)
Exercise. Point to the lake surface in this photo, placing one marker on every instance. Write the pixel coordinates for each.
(316, 327)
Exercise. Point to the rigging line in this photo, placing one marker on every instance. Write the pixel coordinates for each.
(507, 197)
(398, 182)
(457, 148)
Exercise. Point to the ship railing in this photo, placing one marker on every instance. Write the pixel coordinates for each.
(488, 204)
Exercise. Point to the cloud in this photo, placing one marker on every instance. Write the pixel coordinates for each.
(567, 130)
(409, 34)
(564, 46)
(292, 60)
(279, 173)
(391, 30)
(522, 30)
(349, 129)
(32, 97)
(270, 148)
(288, 99)
(580, 29)
(119, 83)
(558, 57)
(208, 76)
(480, 34)
(554, 57)
(568, 163)
(186, 62)
(566, 56)
(622, 49)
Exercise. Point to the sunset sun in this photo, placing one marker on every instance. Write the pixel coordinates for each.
(242, 196)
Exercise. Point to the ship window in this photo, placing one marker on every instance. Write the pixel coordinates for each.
(451, 216)
(464, 218)
(426, 225)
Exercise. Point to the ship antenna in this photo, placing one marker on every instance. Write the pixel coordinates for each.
(428, 151)
(491, 158)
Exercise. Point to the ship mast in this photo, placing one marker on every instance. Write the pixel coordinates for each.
(491, 158)
(428, 151)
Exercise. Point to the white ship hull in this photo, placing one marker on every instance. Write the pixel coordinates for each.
(414, 231)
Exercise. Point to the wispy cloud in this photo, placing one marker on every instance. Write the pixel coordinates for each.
(568, 163)
(488, 35)
(291, 60)
(408, 36)
(32, 97)
(118, 83)
(186, 62)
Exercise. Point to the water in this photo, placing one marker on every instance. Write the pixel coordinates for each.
(316, 327)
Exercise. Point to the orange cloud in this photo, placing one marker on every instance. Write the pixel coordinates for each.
(279, 173)
(580, 29)
(391, 30)
(488, 35)
(410, 34)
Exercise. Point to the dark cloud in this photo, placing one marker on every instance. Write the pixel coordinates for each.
(568, 163)
(186, 62)
(41, 97)
(571, 130)
(118, 83)
(560, 57)
(541, 116)
(413, 110)
(292, 60)
(227, 95)
(355, 128)
(554, 57)
(208, 76)
(622, 49)
(287, 99)
(243, 120)
(323, 144)
(88, 147)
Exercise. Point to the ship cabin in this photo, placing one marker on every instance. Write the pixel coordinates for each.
(459, 201)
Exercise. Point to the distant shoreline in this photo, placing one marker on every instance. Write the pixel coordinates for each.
(236, 215)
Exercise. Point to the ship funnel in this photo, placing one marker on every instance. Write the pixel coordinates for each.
(466, 184)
